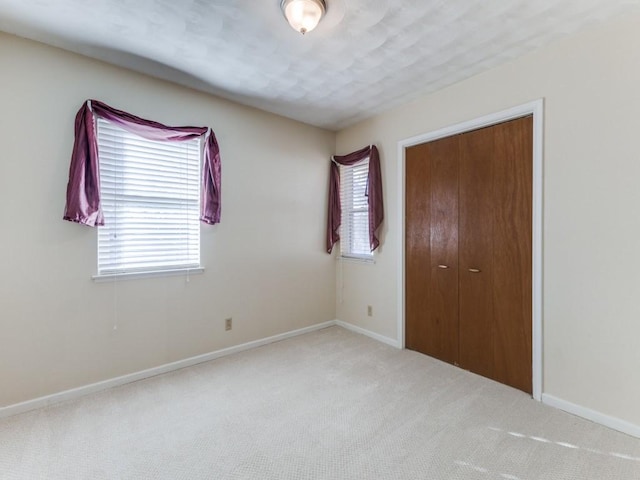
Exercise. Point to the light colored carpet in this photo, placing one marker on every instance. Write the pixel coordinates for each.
(327, 405)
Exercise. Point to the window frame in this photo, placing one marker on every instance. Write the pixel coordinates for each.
(195, 266)
(348, 209)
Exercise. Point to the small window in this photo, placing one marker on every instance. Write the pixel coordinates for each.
(354, 227)
(150, 195)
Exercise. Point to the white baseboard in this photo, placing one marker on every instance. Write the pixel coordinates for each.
(151, 372)
(368, 333)
(597, 417)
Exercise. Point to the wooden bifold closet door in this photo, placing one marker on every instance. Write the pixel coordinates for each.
(468, 256)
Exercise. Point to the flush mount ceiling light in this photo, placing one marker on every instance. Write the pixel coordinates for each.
(303, 15)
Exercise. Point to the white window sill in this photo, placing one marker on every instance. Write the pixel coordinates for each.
(110, 277)
(360, 260)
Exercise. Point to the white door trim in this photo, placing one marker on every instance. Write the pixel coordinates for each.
(535, 108)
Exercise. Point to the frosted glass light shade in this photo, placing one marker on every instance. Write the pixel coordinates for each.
(303, 15)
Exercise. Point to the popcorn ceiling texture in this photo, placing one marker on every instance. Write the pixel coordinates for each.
(365, 56)
(330, 405)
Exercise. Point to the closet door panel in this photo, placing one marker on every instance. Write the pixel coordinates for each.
(431, 249)
(443, 155)
(417, 248)
(513, 179)
(476, 252)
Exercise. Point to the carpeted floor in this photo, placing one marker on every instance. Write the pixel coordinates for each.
(327, 405)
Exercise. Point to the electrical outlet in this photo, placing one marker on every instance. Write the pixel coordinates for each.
(228, 323)
(369, 311)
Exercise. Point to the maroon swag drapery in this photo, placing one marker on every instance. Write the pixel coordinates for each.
(83, 190)
(374, 195)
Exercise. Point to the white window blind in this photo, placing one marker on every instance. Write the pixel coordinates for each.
(354, 229)
(150, 195)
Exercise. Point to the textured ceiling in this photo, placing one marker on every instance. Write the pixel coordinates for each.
(365, 56)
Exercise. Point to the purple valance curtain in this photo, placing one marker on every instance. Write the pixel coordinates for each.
(83, 190)
(374, 195)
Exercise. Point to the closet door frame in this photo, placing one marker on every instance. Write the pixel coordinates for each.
(535, 108)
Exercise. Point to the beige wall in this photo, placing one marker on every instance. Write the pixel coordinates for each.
(265, 263)
(591, 87)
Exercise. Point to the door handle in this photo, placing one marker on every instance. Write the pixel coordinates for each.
(474, 270)
(444, 267)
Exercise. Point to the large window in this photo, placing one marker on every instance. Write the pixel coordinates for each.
(150, 195)
(354, 229)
